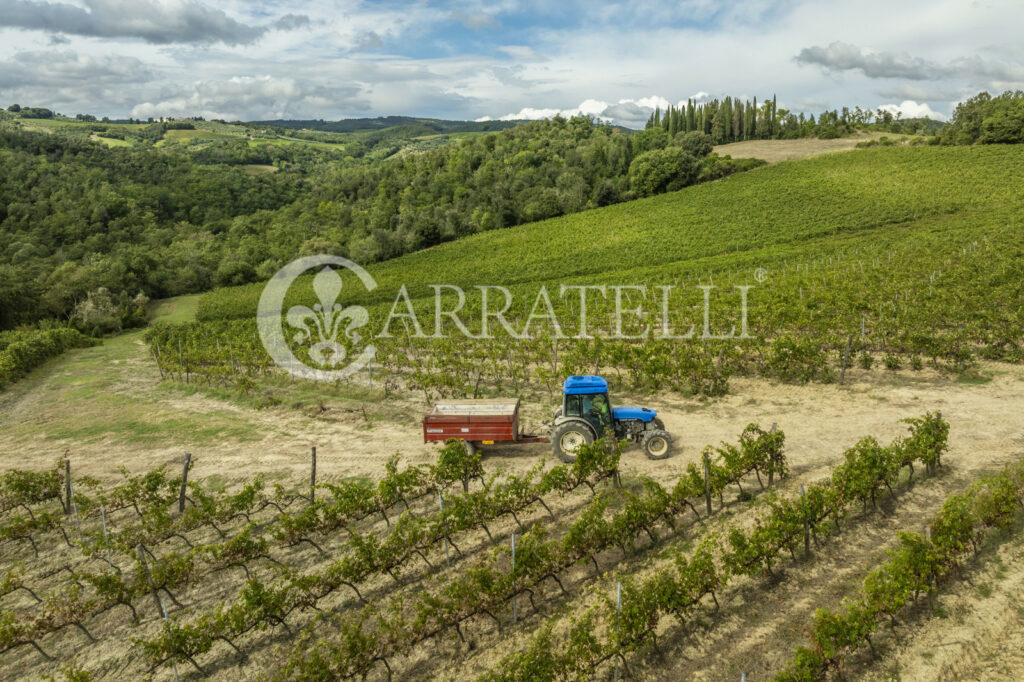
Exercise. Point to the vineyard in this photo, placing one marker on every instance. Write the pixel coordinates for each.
(556, 573)
(808, 526)
(23, 351)
(894, 258)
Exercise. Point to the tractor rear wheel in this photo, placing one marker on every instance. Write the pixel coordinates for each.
(567, 438)
(657, 444)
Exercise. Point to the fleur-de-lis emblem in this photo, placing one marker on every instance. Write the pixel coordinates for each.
(326, 319)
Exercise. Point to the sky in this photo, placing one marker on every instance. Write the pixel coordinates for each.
(300, 59)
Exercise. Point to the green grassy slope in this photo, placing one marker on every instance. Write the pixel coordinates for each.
(764, 213)
(911, 254)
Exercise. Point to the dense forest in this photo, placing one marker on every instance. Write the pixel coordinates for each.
(76, 216)
(84, 225)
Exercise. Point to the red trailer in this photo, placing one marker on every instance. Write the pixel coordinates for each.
(476, 422)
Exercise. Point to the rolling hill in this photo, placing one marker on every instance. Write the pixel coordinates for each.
(908, 255)
(904, 257)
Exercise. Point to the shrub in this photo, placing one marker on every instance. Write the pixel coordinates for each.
(662, 170)
(694, 142)
(98, 314)
(796, 359)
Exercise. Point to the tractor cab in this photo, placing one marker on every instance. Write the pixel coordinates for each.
(586, 414)
(586, 397)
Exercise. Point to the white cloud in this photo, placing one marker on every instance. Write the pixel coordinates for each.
(166, 21)
(839, 56)
(911, 109)
(65, 79)
(648, 102)
(520, 52)
(351, 59)
(631, 113)
(532, 114)
(476, 21)
(248, 98)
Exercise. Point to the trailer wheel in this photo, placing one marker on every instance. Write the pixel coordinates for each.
(567, 438)
(471, 448)
(657, 444)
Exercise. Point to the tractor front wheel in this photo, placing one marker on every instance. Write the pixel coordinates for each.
(568, 438)
(657, 444)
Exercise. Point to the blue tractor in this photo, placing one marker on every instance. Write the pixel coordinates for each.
(586, 414)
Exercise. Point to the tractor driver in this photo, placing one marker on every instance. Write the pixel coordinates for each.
(597, 406)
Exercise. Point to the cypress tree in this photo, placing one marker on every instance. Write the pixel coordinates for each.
(753, 121)
(718, 134)
(726, 117)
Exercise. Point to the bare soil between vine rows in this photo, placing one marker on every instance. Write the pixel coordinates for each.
(758, 625)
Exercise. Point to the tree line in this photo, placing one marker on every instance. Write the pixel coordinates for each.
(733, 119)
(984, 119)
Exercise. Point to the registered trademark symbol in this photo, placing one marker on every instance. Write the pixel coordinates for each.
(760, 275)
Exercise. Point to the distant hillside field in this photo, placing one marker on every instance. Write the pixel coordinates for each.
(351, 125)
(774, 151)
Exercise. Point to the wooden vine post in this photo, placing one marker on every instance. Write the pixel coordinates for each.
(78, 519)
(312, 477)
(807, 526)
(515, 613)
(618, 615)
(707, 482)
(184, 482)
(106, 539)
(67, 486)
(846, 359)
(440, 507)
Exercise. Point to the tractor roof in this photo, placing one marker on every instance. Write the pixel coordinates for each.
(586, 383)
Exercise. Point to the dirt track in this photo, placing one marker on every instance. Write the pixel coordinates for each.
(235, 441)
